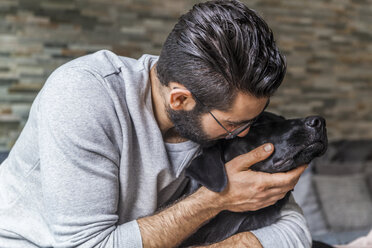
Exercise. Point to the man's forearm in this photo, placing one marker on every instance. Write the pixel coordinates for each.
(243, 239)
(174, 224)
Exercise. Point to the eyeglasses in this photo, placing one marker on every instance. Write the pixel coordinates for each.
(232, 134)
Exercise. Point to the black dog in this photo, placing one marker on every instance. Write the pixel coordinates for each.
(296, 141)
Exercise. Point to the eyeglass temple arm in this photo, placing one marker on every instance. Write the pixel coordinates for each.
(211, 114)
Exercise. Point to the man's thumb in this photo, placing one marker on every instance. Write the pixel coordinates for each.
(244, 161)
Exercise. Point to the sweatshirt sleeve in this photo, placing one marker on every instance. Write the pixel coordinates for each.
(290, 231)
(79, 162)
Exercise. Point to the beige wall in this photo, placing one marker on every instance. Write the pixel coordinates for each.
(328, 45)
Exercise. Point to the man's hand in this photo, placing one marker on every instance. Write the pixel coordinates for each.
(249, 190)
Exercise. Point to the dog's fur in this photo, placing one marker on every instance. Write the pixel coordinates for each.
(296, 141)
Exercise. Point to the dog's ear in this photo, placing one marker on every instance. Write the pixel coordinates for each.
(208, 169)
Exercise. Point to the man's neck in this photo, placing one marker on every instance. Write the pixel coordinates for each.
(164, 123)
(171, 136)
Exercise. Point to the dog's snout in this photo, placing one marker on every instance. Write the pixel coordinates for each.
(315, 121)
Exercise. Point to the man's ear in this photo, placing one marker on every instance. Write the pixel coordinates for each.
(208, 169)
(180, 98)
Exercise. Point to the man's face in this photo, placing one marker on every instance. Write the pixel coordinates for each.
(188, 125)
(202, 128)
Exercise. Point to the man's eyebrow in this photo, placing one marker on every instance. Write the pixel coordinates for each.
(247, 121)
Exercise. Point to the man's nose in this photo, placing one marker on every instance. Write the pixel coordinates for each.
(244, 133)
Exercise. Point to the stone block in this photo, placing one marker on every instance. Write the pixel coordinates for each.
(327, 45)
(25, 88)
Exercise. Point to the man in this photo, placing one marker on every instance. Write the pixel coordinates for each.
(108, 140)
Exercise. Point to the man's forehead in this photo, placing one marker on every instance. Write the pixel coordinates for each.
(250, 116)
(245, 108)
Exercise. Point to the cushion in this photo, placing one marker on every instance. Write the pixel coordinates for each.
(345, 199)
(339, 168)
(368, 167)
(343, 237)
(3, 156)
(369, 182)
(368, 173)
(305, 197)
(349, 150)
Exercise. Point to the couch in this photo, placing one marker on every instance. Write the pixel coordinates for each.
(3, 156)
(335, 192)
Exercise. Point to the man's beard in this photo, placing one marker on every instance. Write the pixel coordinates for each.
(188, 125)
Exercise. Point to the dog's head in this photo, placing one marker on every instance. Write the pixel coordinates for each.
(296, 142)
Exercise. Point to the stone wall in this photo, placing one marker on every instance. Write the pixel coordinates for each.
(328, 45)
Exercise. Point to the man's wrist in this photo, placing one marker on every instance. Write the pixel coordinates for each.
(211, 200)
(172, 225)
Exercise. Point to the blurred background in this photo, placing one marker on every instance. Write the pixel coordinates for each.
(327, 43)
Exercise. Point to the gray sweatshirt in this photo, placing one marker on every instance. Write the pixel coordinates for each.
(91, 160)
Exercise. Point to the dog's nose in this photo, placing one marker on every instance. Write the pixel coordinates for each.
(315, 121)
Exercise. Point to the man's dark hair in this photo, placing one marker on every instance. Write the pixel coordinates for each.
(219, 48)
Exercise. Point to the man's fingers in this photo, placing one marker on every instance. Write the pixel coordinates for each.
(296, 173)
(244, 161)
(282, 179)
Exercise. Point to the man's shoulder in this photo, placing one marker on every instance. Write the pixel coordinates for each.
(102, 62)
(105, 62)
